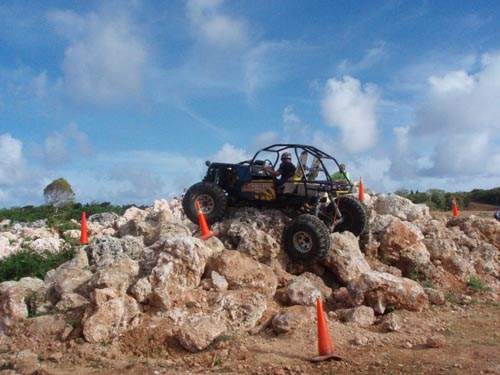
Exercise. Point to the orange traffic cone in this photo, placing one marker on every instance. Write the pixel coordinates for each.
(455, 208)
(324, 341)
(84, 240)
(205, 230)
(361, 190)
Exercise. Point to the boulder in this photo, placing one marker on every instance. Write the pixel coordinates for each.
(379, 290)
(401, 246)
(345, 259)
(13, 295)
(197, 333)
(243, 310)
(362, 316)
(400, 207)
(242, 272)
(109, 314)
(302, 291)
(104, 219)
(486, 260)
(292, 317)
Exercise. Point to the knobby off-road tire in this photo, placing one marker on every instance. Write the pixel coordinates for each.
(355, 218)
(212, 200)
(306, 239)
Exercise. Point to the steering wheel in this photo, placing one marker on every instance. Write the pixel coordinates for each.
(268, 163)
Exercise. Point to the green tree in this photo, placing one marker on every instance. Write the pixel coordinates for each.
(59, 193)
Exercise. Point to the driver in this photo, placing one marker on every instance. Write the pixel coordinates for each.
(286, 169)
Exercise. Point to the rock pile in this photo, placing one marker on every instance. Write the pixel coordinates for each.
(148, 268)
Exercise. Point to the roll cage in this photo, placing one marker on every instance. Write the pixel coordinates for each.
(306, 169)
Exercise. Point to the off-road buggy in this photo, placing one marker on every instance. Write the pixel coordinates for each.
(316, 203)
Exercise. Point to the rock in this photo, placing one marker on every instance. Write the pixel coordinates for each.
(52, 245)
(360, 340)
(345, 259)
(486, 260)
(66, 279)
(73, 234)
(167, 226)
(362, 316)
(71, 301)
(401, 246)
(219, 282)
(109, 314)
(302, 291)
(117, 275)
(435, 341)
(13, 299)
(291, 318)
(141, 290)
(199, 332)
(105, 250)
(180, 266)
(27, 361)
(379, 290)
(390, 323)
(5, 248)
(104, 219)
(436, 297)
(400, 207)
(133, 223)
(242, 309)
(242, 272)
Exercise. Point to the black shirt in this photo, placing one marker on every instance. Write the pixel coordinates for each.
(287, 170)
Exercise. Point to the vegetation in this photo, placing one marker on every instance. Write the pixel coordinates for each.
(439, 200)
(58, 218)
(478, 285)
(28, 263)
(59, 193)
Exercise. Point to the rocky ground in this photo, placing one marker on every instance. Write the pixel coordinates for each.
(449, 339)
(135, 301)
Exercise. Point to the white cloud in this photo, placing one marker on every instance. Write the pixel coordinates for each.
(289, 116)
(105, 60)
(12, 163)
(214, 28)
(460, 121)
(55, 149)
(265, 139)
(63, 146)
(372, 56)
(229, 154)
(452, 83)
(351, 108)
(80, 138)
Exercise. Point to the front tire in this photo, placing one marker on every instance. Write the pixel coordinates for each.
(212, 200)
(306, 239)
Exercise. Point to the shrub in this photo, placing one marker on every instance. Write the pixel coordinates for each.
(28, 263)
(478, 285)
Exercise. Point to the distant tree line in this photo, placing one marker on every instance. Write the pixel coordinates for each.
(440, 200)
(60, 209)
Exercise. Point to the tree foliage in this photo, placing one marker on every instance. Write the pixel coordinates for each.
(440, 200)
(59, 193)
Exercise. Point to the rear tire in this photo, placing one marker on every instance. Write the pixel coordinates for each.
(355, 218)
(212, 200)
(306, 239)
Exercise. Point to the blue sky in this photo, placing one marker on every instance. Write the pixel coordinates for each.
(127, 99)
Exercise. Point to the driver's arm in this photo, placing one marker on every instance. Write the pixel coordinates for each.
(271, 171)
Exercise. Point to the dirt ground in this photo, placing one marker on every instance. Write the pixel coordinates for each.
(460, 337)
(450, 339)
